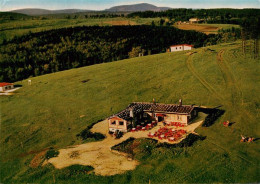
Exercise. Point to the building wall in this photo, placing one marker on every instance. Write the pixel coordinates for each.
(177, 48)
(116, 126)
(193, 20)
(180, 48)
(4, 88)
(173, 118)
(187, 47)
(176, 118)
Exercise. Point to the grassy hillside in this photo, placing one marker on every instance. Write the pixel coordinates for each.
(47, 113)
(9, 29)
(7, 16)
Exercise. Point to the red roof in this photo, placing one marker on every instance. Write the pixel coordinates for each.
(160, 115)
(2, 84)
(182, 45)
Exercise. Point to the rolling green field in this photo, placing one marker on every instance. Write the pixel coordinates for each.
(49, 114)
(9, 29)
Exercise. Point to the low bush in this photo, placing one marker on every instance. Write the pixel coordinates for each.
(51, 153)
(73, 171)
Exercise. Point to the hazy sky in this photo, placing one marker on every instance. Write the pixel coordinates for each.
(6, 5)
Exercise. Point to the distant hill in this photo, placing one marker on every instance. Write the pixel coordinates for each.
(137, 7)
(122, 8)
(12, 16)
(37, 11)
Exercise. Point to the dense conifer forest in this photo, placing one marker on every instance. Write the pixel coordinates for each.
(219, 16)
(61, 49)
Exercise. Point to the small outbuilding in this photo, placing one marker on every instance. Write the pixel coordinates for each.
(194, 20)
(181, 47)
(4, 86)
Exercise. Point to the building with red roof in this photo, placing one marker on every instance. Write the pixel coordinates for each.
(6, 86)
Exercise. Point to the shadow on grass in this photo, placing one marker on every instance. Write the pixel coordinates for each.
(86, 133)
(18, 85)
(213, 115)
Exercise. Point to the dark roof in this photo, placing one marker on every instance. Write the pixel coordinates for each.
(153, 107)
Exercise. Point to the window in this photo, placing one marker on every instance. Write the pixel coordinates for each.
(121, 123)
(113, 123)
(145, 115)
(180, 47)
(178, 117)
(176, 48)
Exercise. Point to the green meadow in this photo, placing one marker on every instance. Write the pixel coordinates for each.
(49, 112)
(10, 29)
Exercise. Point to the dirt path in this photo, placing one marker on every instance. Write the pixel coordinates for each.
(229, 78)
(231, 84)
(99, 154)
(201, 79)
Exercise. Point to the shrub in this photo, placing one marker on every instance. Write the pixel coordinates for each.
(51, 153)
(73, 170)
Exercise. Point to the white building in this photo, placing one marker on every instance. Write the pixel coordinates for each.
(6, 86)
(181, 47)
(194, 20)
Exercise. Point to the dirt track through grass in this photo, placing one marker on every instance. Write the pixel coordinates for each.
(228, 77)
(200, 78)
(231, 84)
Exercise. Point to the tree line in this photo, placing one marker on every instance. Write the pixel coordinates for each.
(222, 15)
(61, 49)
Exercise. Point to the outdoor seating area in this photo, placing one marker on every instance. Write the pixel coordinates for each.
(143, 127)
(167, 133)
(176, 124)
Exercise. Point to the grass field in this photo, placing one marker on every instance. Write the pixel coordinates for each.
(49, 114)
(19, 27)
(206, 28)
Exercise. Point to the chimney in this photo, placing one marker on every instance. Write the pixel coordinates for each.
(131, 113)
(180, 102)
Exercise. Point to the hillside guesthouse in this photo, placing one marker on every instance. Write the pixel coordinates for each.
(141, 111)
(181, 47)
(4, 86)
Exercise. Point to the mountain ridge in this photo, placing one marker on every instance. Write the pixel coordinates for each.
(120, 8)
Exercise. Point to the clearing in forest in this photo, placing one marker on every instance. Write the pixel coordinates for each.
(201, 28)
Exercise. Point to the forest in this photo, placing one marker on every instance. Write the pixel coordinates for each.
(55, 50)
(218, 16)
